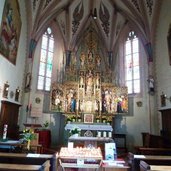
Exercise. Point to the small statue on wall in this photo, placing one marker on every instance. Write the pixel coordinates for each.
(163, 99)
(17, 94)
(151, 85)
(28, 82)
(6, 90)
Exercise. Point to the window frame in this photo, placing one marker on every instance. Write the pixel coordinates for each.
(133, 93)
(49, 36)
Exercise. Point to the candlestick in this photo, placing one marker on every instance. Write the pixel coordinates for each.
(5, 132)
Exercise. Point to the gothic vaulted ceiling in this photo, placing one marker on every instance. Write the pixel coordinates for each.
(74, 17)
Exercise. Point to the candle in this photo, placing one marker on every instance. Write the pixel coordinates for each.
(5, 131)
(99, 134)
(104, 134)
(109, 134)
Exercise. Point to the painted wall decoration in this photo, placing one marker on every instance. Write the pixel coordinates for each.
(10, 30)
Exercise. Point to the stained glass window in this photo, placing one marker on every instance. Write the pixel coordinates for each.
(132, 68)
(46, 59)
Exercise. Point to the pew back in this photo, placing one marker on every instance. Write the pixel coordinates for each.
(31, 159)
(134, 160)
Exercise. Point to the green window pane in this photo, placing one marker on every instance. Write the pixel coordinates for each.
(50, 57)
(49, 70)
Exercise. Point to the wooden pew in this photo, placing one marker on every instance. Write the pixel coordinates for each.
(33, 159)
(134, 160)
(26, 167)
(153, 151)
(146, 167)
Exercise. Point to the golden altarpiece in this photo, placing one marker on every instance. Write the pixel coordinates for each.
(87, 89)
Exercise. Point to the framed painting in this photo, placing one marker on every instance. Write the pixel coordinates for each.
(88, 118)
(10, 30)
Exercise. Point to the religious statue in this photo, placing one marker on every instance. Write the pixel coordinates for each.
(89, 82)
(163, 99)
(70, 96)
(151, 85)
(97, 80)
(90, 56)
(81, 80)
(82, 59)
(73, 104)
(98, 60)
(108, 99)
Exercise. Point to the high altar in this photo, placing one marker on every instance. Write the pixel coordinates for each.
(87, 88)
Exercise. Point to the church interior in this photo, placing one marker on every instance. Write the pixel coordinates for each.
(88, 75)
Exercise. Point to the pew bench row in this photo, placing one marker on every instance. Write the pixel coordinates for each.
(25, 167)
(144, 166)
(41, 160)
(134, 160)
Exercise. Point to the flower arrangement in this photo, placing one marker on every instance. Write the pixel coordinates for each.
(68, 119)
(73, 118)
(97, 119)
(28, 135)
(75, 130)
(79, 118)
(104, 119)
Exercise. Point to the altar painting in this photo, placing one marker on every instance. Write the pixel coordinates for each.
(10, 30)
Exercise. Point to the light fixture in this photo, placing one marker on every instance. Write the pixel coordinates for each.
(95, 14)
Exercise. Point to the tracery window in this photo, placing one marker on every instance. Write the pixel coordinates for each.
(132, 67)
(46, 59)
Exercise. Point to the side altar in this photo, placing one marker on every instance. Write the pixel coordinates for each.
(87, 92)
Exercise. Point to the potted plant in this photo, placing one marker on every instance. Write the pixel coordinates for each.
(97, 119)
(79, 118)
(75, 131)
(73, 118)
(104, 120)
(68, 119)
(46, 125)
(27, 135)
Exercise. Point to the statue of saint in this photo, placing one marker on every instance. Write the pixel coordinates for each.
(89, 82)
(97, 80)
(98, 60)
(70, 95)
(82, 59)
(108, 100)
(81, 79)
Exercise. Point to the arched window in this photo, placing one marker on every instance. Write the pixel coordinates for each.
(46, 58)
(132, 68)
